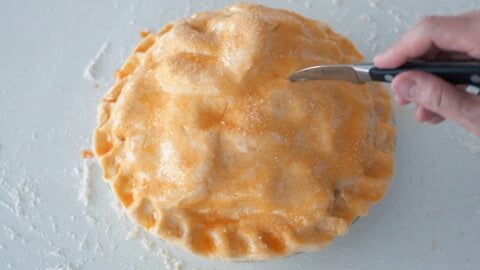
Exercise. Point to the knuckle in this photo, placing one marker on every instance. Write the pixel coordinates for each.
(429, 21)
(438, 102)
(432, 95)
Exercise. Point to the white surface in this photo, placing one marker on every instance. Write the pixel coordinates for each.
(429, 220)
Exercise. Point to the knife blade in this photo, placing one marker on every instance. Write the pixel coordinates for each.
(456, 72)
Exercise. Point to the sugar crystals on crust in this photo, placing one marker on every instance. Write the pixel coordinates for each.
(208, 145)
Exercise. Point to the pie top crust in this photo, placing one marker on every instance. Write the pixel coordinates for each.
(208, 145)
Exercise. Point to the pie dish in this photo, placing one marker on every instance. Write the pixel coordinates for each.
(207, 144)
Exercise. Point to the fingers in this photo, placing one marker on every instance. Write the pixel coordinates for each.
(437, 37)
(446, 33)
(430, 92)
(437, 99)
(421, 114)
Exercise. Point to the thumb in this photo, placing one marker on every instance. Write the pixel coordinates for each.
(434, 94)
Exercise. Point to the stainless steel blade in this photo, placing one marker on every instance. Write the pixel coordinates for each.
(351, 73)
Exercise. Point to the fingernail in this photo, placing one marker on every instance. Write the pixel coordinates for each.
(406, 89)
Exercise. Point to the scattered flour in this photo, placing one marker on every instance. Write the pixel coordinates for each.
(34, 230)
(90, 71)
(133, 234)
(373, 3)
(170, 262)
(372, 42)
(83, 244)
(86, 190)
(89, 218)
(62, 266)
(115, 204)
(13, 235)
(366, 18)
(58, 252)
(466, 139)
(71, 235)
(398, 18)
(147, 244)
(18, 194)
(17, 197)
(34, 137)
(7, 206)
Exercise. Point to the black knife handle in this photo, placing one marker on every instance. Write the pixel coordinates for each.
(456, 72)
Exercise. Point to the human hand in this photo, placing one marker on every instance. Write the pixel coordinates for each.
(437, 37)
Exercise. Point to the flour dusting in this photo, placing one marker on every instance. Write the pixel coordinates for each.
(147, 244)
(170, 262)
(13, 235)
(90, 72)
(63, 266)
(83, 244)
(464, 138)
(115, 204)
(373, 3)
(86, 190)
(132, 234)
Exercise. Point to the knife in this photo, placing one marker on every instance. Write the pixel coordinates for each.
(456, 72)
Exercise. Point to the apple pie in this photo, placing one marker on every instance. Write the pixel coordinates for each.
(208, 145)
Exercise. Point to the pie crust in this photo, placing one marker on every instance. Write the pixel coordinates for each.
(207, 144)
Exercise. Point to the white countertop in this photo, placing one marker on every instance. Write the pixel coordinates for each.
(428, 220)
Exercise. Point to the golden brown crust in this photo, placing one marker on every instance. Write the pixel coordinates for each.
(207, 144)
